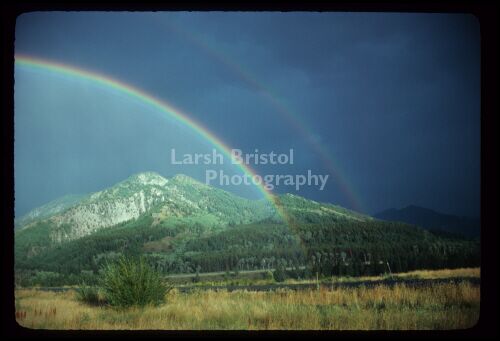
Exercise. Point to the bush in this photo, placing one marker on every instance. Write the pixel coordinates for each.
(130, 282)
(89, 295)
(279, 274)
(267, 275)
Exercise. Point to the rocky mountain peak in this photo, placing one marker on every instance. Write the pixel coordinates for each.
(149, 178)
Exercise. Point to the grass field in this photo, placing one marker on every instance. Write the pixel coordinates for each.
(243, 279)
(440, 306)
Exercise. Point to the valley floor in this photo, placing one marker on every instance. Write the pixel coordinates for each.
(437, 306)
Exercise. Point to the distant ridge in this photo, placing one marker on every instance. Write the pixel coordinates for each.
(432, 220)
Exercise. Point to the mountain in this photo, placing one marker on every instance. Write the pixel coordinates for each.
(432, 220)
(181, 226)
(179, 197)
(166, 199)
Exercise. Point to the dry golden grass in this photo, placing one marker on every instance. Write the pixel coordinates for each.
(444, 273)
(419, 274)
(441, 306)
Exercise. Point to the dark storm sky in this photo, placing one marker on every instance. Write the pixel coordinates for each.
(393, 98)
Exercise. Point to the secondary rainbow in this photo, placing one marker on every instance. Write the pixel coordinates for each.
(288, 115)
(134, 92)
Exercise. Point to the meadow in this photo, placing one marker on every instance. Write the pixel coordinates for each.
(400, 307)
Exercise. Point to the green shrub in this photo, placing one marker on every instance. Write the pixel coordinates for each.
(267, 275)
(89, 295)
(279, 274)
(132, 282)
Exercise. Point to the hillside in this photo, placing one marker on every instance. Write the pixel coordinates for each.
(183, 226)
(164, 199)
(432, 220)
